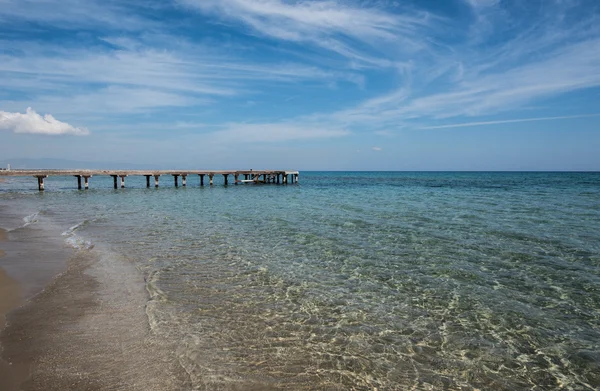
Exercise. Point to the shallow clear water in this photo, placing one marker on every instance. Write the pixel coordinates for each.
(358, 280)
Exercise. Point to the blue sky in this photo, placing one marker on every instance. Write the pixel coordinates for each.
(309, 85)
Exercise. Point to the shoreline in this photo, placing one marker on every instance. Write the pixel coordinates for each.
(87, 328)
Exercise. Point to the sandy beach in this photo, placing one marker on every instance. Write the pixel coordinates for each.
(87, 329)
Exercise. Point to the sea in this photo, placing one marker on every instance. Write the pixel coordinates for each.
(353, 280)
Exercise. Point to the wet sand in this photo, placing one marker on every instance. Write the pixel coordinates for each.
(10, 290)
(88, 331)
(10, 298)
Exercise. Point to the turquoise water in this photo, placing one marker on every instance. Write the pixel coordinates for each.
(358, 280)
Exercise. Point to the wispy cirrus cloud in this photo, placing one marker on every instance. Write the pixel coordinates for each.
(399, 66)
(347, 29)
(33, 123)
(509, 121)
(76, 14)
(135, 76)
(540, 62)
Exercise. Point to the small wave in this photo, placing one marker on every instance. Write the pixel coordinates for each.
(31, 219)
(76, 241)
(74, 228)
(157, 297)
(28, 220)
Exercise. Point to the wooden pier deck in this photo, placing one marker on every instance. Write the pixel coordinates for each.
(250, 176)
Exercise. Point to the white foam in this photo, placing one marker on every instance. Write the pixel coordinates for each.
(28, 220)
(76, 241)
(71, 231)
(79, 243)
(31, 219)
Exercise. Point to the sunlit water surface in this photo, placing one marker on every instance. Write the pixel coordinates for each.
(358, 280)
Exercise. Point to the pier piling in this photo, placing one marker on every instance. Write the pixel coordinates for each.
(250, 176)
(40, 179)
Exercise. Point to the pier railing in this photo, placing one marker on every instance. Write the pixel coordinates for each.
(250, 176)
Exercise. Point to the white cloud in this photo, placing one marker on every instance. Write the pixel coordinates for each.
(377, 149)
(32, 122)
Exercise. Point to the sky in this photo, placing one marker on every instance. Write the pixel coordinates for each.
(303, 85)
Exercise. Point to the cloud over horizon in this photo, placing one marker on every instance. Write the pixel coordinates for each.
(33, 123)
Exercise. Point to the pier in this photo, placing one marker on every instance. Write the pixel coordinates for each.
(249, 176)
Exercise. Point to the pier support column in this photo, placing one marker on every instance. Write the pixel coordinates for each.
(78, 181)
(156, 181)
(201, 179)
(114, 180)
(235, 177)
(183, 181)
(123, 181)
(246, 177)
(40, 179)
(147, 181)
(285, 179)
(176, 179)
(226, 179)
(86, 183)
(278, 178)
(296, 178)
(210, 177)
